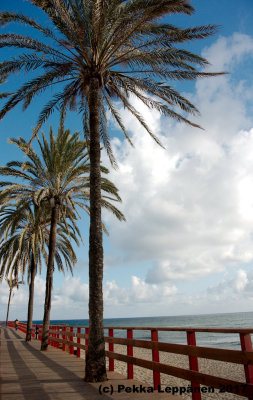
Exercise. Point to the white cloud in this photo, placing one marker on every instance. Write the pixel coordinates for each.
(143, 292)
(73, 289)
(71, 299)
(189, 208)
(228, 52)
(140, 299)
(240, 281)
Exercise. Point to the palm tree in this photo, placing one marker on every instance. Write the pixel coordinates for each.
(12, 284)
(100, 51)
(26, 230)
(61, 180)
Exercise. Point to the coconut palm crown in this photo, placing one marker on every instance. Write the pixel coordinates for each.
(97, 52)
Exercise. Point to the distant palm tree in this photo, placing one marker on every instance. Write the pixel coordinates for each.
(61, 180)
(100, 51)
(26, 230)
(12, 283)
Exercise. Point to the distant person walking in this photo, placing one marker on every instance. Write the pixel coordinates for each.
(16, 322)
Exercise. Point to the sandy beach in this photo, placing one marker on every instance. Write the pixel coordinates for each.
(215, 368)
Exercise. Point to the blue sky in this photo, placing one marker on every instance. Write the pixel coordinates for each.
(187, 245)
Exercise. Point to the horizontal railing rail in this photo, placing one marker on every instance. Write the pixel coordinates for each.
(68, 338)
(187, 329)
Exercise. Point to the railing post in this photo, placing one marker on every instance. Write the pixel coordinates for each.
(33, 331)
(193, 363)
(58, 335)
(71, 339)
(67, 338)
(87, 330)
(155, 357)
(63, 337)
(78, 351)
(111, 348)
(50, 335)
(130, 367)
(40, 332)
(53, 336)
(246, 345)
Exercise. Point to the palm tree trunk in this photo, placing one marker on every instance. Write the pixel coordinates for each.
(30, 303)
(8, 307)
(49, 278)
(95, 369)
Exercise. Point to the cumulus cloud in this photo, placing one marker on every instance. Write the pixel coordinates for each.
(229, 294)
(227, 52)
(70, 300)
(240, 281)
(189, 208)
(74, 290)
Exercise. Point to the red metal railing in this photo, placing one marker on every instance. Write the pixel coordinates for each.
(68, 338)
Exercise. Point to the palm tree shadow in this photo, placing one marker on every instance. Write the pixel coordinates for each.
(32, 384)
(84, 389)
(26, 376)
(14, 333)
(6, 334)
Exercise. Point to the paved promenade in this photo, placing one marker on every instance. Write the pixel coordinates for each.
(28, 374)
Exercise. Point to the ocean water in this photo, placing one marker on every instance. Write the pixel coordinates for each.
(219, 340)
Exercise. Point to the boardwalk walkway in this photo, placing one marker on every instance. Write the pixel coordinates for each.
(28, 374)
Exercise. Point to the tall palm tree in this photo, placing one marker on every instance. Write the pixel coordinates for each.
(60, 179)
(26, 231)
(99, 51)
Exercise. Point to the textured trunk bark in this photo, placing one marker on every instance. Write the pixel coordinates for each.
(8, 307)
(49, 279)
(95, 369)
(30, 303)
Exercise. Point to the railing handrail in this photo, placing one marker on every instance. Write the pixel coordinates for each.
(183, 329)
(172, 329)
(164, 329)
